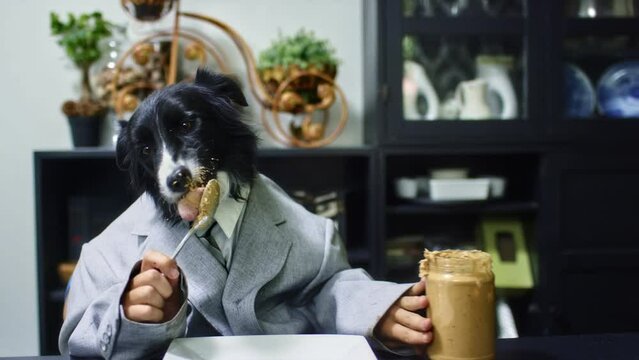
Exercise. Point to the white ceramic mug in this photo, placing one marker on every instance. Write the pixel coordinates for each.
(406, 188)
(471, 96)
(497, 186)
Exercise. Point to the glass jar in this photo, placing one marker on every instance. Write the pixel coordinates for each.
(460, 286)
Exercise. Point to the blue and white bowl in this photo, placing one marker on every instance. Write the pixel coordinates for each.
(579, 94)
(618, 90)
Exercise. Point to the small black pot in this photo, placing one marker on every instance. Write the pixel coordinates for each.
(85, 130)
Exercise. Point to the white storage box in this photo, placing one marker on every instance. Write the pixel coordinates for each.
(459, 189)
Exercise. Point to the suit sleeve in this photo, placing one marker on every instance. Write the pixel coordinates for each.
(95, 325)
(349, 301)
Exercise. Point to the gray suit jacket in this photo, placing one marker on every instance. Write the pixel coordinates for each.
(289, 275)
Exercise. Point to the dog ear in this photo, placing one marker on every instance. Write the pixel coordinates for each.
(122, 146)
(222, 85)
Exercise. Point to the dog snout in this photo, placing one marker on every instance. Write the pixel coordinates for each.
(179, 180)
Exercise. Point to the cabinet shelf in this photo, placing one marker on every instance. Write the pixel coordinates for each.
(457, 132)
(600, 26)
(597, 56)
(108, 152)
(78, 153)
(461, 121)
(295, 152)
(466, 207)
(465, 26)
(605, 121)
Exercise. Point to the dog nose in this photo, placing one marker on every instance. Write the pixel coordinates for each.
(179, 180)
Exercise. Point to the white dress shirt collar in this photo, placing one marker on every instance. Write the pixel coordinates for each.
(229, 210)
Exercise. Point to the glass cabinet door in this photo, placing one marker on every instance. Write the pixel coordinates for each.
(458, 69)
(597, 68)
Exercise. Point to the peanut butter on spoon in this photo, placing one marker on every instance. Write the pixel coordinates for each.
(208, 205)
(204, 219)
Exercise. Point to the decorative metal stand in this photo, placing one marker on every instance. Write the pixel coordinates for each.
(307, 95)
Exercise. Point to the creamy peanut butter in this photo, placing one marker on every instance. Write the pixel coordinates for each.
(208, 204)
(460, 287)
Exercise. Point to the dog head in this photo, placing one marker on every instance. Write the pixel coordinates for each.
(185, 133)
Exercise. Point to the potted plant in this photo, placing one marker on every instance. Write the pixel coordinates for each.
(289, 55)
(80, 37)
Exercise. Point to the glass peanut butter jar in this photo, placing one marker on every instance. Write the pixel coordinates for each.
(460, 287)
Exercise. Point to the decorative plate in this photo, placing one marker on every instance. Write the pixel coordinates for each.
(579, 94)
(618, 90)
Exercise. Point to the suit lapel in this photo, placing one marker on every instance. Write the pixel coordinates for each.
(260, 253)
(205, 276)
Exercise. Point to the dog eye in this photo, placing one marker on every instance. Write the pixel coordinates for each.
(146, 151)
(185, 125)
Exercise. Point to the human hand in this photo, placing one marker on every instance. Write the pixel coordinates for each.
(188, 206)
(402, 325)
(153, 295)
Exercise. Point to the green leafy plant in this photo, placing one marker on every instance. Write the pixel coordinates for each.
(409, 48)
(302, 49)
(80, 37)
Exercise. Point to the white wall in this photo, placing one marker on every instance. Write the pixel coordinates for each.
(36, 78)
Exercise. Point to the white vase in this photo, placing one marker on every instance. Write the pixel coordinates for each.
(501, 94)
(471, 96)
(420, 100)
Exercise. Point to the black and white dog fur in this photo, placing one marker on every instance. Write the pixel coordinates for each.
(188, 131)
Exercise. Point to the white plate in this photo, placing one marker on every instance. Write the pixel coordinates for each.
(579, 94)
(618, 90)
(271, 347)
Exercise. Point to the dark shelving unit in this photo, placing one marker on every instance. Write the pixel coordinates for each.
(475, 207)
(573, 178)
(600, 26)
(61, 176)
(91, 173)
